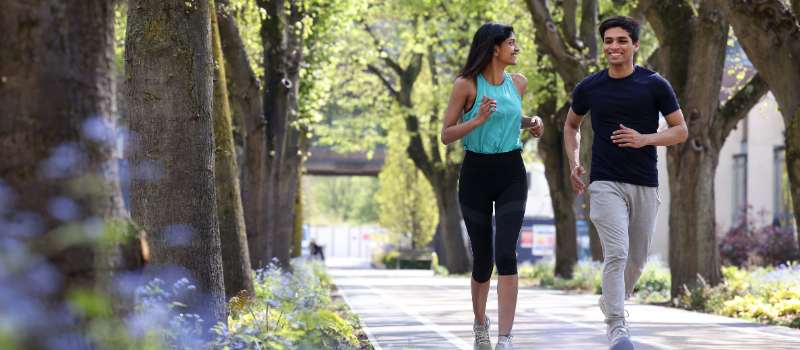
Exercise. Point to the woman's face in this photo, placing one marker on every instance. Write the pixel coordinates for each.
(507, 51)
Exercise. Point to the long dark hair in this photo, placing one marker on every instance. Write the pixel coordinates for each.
(481, 51)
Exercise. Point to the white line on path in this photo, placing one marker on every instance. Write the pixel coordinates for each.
(460, 343)
(372, 339)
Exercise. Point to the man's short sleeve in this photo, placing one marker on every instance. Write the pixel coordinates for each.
(665, 96)
(580, 103)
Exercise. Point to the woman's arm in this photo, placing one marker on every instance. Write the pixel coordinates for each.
(533, 124)
(452, 130)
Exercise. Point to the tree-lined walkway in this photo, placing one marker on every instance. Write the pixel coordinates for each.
(412, 309)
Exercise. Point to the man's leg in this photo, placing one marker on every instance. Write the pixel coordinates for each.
(609, 213)
(644, 203)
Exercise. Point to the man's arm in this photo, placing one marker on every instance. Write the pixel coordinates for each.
(676, 133)
(572, 143)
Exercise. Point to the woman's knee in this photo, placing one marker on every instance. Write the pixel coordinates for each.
(481, 272)
(506, 263)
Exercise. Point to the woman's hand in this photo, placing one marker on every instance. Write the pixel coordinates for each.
(537, 127)
(487, 107)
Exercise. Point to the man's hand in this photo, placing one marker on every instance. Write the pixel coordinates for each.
(577, 179)
(627, 137)
(537, 127)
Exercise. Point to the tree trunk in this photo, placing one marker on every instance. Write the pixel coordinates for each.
(283, 53)
(562, 197)
(571, 70)
(770, 35)
(694, 57)
(456, 256)
(170, 91)
(691, 196)
(792, 141)
(58, 130)
(246, 105)
(297, 233)
(587, 137)
(440, 172)
(233, 237)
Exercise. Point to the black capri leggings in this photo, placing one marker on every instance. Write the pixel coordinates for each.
(486, 179)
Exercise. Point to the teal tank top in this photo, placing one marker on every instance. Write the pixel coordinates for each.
(500, 133)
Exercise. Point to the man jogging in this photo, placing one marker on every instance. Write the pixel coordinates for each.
(625, 101)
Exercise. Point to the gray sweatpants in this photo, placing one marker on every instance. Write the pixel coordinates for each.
(625, 218)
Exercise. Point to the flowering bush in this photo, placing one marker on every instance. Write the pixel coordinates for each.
(289, 311)
(751, 242)
(764, 294)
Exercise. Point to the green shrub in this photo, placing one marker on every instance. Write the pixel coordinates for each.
(586, 276)
(654, 284)
(288, 311)
(765, 294)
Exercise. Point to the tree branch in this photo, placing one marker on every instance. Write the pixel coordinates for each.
(655, 60)
(672, 21)
(588, 27)
(433, 138)
(384, 54)
(568, 23)
(416, 150)
(377, 72)
(408, 78)
(548, 38)
(738, 107)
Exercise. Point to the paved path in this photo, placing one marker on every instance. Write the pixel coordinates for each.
(412, 309)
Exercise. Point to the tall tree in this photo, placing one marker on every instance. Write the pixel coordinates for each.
(401, 69)
(246, 102)
(293, 34)
(693, 39)
(281, 35)
(170, 92)
(405, 201)
(59, 157)
(233, 237)
(769, 32)
(572, 57)
(411, 52)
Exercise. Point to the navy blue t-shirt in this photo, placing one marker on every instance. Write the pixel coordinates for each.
(634, 101)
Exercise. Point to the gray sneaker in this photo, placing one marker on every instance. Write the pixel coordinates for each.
(504, 343)
(482, 341)
(620, 337)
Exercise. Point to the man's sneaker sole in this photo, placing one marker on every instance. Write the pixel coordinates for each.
(623, 343)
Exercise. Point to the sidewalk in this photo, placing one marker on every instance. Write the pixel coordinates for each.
(412, 309)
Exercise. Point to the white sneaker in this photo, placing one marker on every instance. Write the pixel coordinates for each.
(504, 343)
(482, 341)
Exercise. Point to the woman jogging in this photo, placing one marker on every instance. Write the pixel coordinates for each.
(485, 110)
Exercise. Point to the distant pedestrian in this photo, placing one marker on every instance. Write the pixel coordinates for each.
(316, 250)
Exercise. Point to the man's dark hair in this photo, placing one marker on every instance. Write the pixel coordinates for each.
(629, 24)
